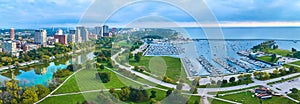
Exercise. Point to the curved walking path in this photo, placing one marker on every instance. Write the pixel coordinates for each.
(74, 93)
(113, 58)
(49, 95)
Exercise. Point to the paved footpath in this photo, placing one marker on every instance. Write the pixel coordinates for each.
(159, 82)
(58, 87)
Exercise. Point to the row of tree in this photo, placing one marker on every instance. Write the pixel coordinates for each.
(276, 73)
(12, 93)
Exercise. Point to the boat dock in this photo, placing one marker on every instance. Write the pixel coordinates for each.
(256, 63)
(239, 63)
(208, 66)
(226, 65)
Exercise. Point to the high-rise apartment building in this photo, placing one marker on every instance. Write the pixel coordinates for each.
(9, 47)
(105, 30)
(82, 33)
(40, 37)
(12, 34)
(98, 30)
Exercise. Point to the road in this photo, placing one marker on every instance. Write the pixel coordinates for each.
(203, 91)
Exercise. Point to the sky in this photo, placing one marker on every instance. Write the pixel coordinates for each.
(65, 13)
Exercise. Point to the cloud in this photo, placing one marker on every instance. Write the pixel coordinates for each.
(34, 13)
(37, 13)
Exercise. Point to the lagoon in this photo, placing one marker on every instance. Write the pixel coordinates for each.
(43, 74)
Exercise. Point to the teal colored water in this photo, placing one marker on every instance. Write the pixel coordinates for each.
(44, 75)
(40, 76)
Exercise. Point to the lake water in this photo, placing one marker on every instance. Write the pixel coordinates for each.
(285, 33)
(44, 75)
(236, 39)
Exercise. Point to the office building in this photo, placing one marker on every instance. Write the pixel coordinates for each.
(9, 47)
(114, 31)
(29, 47)
(71, 38)
(82, 34)
(40, 37)
(105, 30)
(98, 30)
(62, 39)
(72, 31)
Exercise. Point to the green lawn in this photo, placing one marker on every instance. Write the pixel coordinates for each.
(192, 99)
(246, 98)
(92, 96)
(296, 63)
(162, 66)
(86, 80)
(215, 101)
(295, 96)
(124, 44)
(268, 59)
(68, 99)
(223, 92)
(279, 52)
(69, 86)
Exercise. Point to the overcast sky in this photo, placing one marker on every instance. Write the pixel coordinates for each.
(64, 13)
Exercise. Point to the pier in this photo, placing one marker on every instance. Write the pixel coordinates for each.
(226, 65)
(208, 66)
(239, 63)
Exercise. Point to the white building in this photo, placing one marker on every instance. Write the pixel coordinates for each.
(82, 33)
(59, 32)
(40, 37)
(9, 47)
(98, 30)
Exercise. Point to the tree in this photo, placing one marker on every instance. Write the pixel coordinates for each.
(255, 73)
(294, 90)
(266, 75)
(276, 73)
(124, 93)
(169, 92)
(104, 77)
(137, 57)
(273, 57)
(292, 69)
(294, 50)
(112, 90)
(101, 66)
(232, 79)
(282, 72)
(153, 101)
(30, 96)
(179, 86)
(193, 90)
(138, 95)
(219, 82)
(196, 81)
(13, 90)
(136, 68)
(42, 91)
(153, 94)
(224, 82)
(167, 79)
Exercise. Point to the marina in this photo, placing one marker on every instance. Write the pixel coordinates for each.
(226, 65)
(209, 67)
(241, 64)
